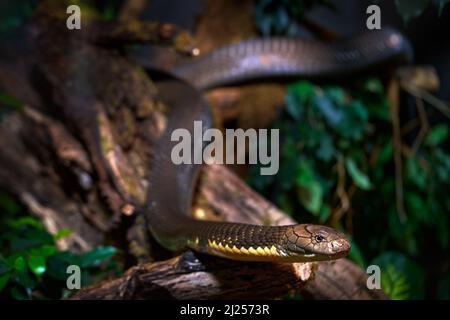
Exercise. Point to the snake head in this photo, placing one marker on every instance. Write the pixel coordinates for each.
(308, 242)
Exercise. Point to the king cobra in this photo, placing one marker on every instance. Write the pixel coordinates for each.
(171, 186)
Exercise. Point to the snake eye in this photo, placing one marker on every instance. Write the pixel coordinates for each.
(318, 238)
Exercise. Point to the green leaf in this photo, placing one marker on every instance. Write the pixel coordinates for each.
(9, 101)
(37, 265)
(395, 226)
(44, 251)
(417, 206)
(4, 279)
(30, 238)
(437, 135)
(326, 148)
(311, 197)
(4, 266)
(63, 233)
(359, 177)
(303, 89)
(337, 95)
(325, 212)
(57, 264)
(409, 9)
(442, 165)
(25, 221)
(297, 95)
(305, 174)
(374, 86)
(395, 284)
(379, 109)
(293, 105)
(97, 256)
(19, 264)
(19, 294)
(442, 231)
(24, 279)
(354, 121)
(288, 166)
(332, 114)
(401, 277)
(415, 173)
(386, 153)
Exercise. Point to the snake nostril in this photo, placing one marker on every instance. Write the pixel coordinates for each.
(337, 245)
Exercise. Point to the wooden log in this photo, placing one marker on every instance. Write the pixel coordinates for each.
(193, 276)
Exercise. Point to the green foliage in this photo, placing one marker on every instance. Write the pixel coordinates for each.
(359, 177)
(401, 278)
(31, 266)
(101, 11)
(410, 9)
(14, 13)
(338, 139)
(437, 135)
(319, 128)
(8, 104)
(281, 17)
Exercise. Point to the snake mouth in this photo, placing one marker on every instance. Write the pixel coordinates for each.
(325, 255)
(311, 257)
(333, 250)
(321, 256)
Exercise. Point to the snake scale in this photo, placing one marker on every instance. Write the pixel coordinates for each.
(172, 186)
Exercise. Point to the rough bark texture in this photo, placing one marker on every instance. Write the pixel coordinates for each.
(191, 276)
(77, 156)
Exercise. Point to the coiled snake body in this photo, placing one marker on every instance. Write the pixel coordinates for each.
(171, 186)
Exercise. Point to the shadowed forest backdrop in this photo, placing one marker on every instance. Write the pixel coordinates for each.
(368, 156)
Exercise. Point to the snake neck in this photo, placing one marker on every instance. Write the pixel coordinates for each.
(236, 239)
